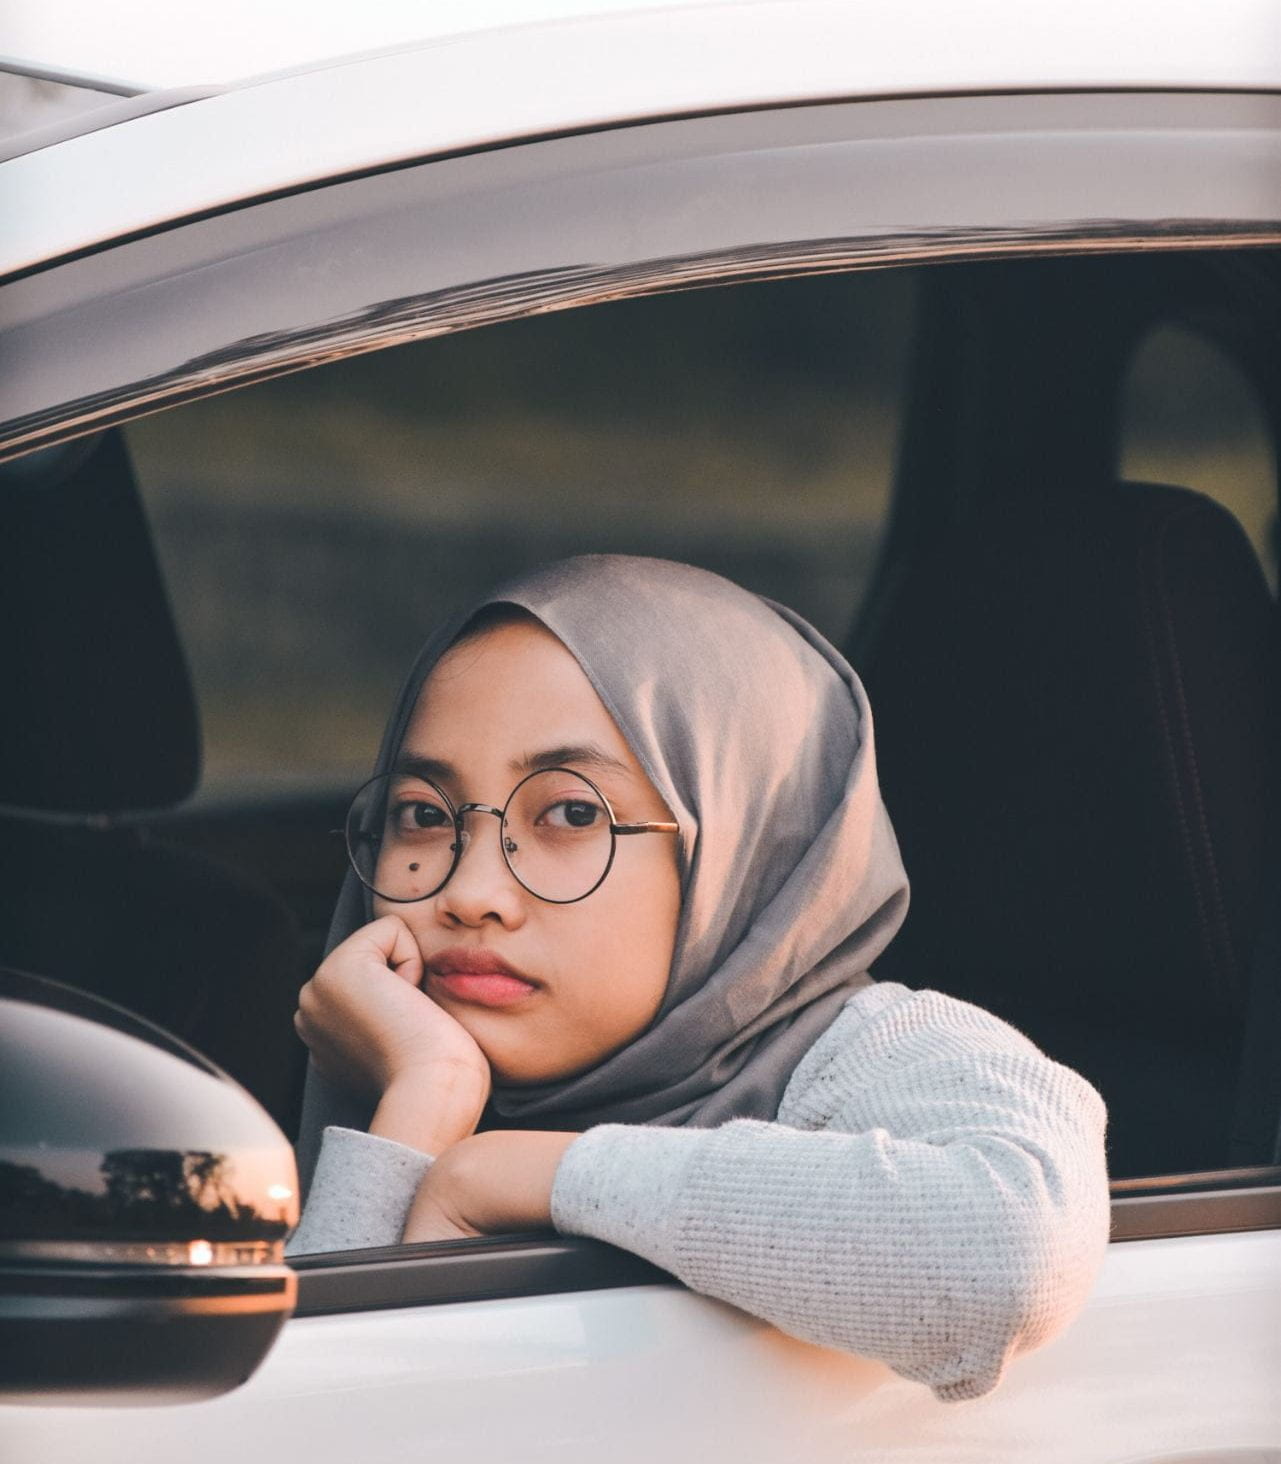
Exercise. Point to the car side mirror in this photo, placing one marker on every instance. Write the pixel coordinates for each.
(144, 1203)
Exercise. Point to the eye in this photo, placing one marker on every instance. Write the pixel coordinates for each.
(572, 813)
(416, 816)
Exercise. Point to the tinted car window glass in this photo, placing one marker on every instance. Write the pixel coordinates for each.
(1191, 416)
(314, 529)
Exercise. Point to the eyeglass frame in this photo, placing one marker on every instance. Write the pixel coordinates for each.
(462, 836)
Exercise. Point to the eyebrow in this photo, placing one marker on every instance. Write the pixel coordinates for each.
(570, 754)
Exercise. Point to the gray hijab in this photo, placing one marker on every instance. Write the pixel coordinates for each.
(758, 735)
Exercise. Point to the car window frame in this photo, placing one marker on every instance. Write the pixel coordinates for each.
(183, 271)
(412, 251)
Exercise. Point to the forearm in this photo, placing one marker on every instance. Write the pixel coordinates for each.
(432, 1108)
(364, 1184)
(493, 1183)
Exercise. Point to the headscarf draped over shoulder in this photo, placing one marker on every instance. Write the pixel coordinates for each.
(758, 735)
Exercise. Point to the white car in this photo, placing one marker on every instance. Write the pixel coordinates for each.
(990, 391)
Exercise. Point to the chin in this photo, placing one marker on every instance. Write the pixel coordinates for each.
(516, 1070)
(516, 1074)
(521, 1059)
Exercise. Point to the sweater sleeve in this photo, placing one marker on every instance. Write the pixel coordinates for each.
(933, 1193)
(360, 1193)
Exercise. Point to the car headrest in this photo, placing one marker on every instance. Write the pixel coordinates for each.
(100, 715)
(1077, 729)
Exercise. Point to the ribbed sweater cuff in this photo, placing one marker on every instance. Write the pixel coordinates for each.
(360, 1193)
(625, 1184)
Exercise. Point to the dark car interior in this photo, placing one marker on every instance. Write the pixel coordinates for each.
(1076, 681)
(1098, 661)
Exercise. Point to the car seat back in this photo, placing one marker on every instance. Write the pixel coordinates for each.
(1077, 717)
(101, 728)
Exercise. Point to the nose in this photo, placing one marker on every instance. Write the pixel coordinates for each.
(481, 887)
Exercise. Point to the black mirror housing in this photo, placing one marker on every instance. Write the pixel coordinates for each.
(144, 1203)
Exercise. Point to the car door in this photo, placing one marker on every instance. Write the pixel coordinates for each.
(535, 1347)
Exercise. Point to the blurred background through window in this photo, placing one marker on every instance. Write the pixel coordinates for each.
(315, 529)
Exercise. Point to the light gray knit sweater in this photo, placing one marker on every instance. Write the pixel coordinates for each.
(933, 1193)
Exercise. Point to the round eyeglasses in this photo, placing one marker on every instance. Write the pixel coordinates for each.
(557, 832)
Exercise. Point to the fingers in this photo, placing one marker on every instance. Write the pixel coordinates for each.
(405, 959)
(383, 947)
(370, 1025)
(393, 942)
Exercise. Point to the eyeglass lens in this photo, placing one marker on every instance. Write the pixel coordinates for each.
(556, 836)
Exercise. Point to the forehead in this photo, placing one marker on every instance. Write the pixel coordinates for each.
(509, 691)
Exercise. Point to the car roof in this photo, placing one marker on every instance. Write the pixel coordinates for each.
(564, 67)
(122, 48)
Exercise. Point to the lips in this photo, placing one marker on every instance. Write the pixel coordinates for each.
(479, 976)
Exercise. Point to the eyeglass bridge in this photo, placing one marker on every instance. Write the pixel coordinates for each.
(509, 844)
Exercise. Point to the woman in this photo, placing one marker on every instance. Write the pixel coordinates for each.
(602, 963)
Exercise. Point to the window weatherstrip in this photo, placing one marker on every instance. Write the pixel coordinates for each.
(467, 1270)
(1192, 1212)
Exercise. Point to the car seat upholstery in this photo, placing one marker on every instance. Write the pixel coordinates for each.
(102, 727)
(1076, 719)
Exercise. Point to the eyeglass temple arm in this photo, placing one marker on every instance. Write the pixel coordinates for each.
(646, 828)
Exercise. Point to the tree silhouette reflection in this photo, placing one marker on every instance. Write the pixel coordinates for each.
(148, 1194)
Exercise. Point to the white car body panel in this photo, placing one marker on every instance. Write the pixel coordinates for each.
(641, 1373)
(472, 91)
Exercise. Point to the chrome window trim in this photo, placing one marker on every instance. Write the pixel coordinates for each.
(60, 76)
(644, 206)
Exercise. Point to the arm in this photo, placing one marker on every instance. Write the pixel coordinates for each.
(934, 1193)
(940, 1202)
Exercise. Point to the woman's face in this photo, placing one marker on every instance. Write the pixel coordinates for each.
(592, 974)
